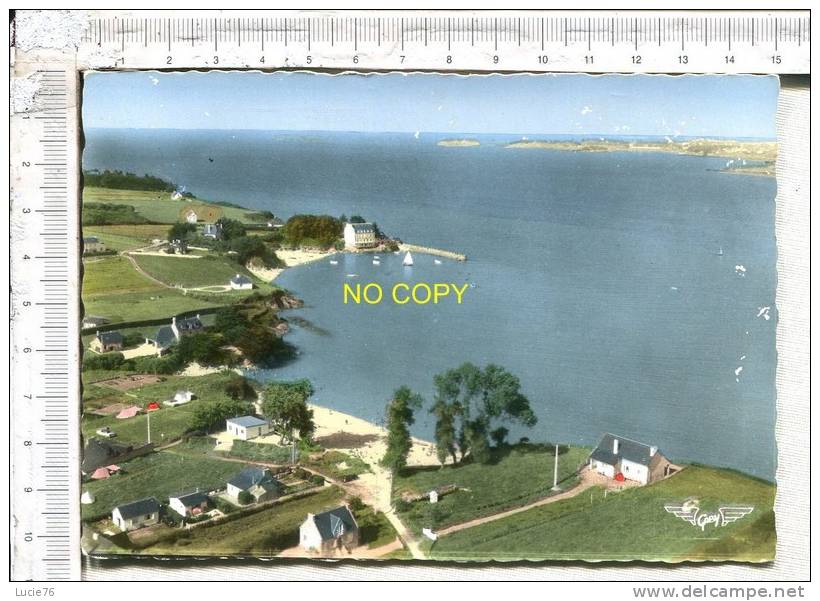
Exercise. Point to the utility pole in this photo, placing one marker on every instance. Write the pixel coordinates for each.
(555, 486)
(148, 414)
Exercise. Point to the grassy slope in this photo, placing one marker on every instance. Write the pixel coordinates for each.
(168, 423)
(193, 273)
(159, 474)
(113, 275)
(630, 525)
(154, 206)
(126, 237)
(134, 306)
(263, 533)
(517, 478)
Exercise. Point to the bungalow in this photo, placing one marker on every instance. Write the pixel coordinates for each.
(624, 459)
(329, 531)
(247, 427)
(241, 282)
(107, 341)
(138, 514)
(189, 504)
(92, 245)
(359, 235)
(163, 339)
(257, 482)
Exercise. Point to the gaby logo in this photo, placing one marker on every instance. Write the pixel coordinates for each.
(691, 512)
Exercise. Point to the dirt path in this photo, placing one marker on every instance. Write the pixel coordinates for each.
(584, 484)
(139, 270)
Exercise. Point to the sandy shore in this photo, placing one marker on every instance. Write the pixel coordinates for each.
(263, 273)
(300, 256)
(374, 487)
(195, 369)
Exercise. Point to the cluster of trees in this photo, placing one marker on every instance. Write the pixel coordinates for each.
(209, 416)
(323, 230)
(253, 337)
(468, 404)
(103, 213)
(285, 404)
(234, 238)
(123, 180)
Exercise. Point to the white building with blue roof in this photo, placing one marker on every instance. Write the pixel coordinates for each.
(247, 427)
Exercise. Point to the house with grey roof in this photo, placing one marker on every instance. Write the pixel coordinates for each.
(92, 244)
(247, 427)
(258, 482)
(186, 325)
(212, 231)
(189, 504)
(105, 342)
(241, 282)
(137, 514)
(359, 235)
(330, 531)
(622, 459)
(163, 339)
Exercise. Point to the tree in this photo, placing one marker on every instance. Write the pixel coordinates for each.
(399, 419)
(445, 431)
(473, 398)
(239, 388)
(244, 498)
(285, 405)
(181, 231)
(211, 415)
(231, 229)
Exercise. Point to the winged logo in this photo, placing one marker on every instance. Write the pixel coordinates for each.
(690, 511)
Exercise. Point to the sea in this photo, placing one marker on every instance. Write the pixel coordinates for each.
(631, 293)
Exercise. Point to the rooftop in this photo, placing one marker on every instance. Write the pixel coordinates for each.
(628, 449)
(334, 523)
(137, 508)
(247, 421)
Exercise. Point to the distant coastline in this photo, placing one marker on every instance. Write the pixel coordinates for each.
(732, 149)
(459, 142)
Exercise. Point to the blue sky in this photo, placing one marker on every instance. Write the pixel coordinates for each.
(729, 106)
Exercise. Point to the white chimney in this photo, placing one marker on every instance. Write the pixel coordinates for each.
(615, 445)
(652, 451)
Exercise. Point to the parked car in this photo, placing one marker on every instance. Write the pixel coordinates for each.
(106, 432)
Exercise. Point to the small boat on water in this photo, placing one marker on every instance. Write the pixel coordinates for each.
(332, 262)
(408, 260)
(719, 252)
(437, 261)
(376, 262)
(352, 275)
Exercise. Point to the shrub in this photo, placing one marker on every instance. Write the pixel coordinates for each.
(402, 506)
(104, 361)
(245, 498)
(317, 480)
(356, 504)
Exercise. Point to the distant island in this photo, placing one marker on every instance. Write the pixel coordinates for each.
(463, 142)
(739, 151)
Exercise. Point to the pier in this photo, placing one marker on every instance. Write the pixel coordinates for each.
(427, 250)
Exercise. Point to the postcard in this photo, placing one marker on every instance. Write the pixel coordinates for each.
(420, 316)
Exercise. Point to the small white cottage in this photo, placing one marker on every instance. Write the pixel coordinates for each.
(621, 459)
(137, 514)
(189, 504)
(247, 427)
(329, 531)
(241, 282)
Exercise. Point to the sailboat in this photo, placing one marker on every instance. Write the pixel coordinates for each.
(408, 260)
(719, 252)
(416, 135)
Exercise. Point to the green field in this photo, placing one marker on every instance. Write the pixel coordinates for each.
(256, 451)
(135, 306)
(262, 533)
(159, 474)
(375, 530)
(337, 465)
(194, 273)
(167, 424)
(126, 237)
(632, 524)
(113, 275)
(518, 476)
(156, 207)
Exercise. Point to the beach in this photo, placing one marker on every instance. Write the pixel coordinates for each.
(291, 258)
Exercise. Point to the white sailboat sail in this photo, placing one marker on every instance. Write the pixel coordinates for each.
(408, 260)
